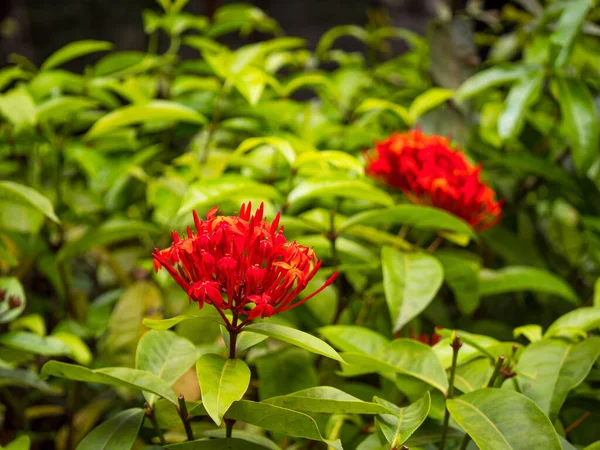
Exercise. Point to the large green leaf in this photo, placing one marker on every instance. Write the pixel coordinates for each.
(117, 433)
(327, 400)
(279, 144)
(222, 382)
(295, 337)
(521, 278)
(410, 282)
(114, 376)
(75, 50)
(417, 216)
(584, 319)
(156, 110)
(568, 28)
(166, 355)
(165, 324)
(580, 121)
(400, 425)
(520, 97)
(337, 187)
(500, 419)
(18, 107)
(31, 342)
(427, 101)
(279, 420)
(550, 368)
(489, 78)
(377, 104)
(18, 193)
(352, 338)
(25, 378)
(402, 356)
(461, 272)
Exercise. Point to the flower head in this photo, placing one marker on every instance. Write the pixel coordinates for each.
(430, 172)
(240, 263)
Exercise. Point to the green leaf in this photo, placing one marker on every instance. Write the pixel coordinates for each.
(166, 355)
(217, 444)
(584, 319)
(108, 233)
(402, 356)
(327, 400)
(352, 338)
(165, 324)
(410, 282)
(520, 98)
(420, 217)
(78, 349)
(25, 378)
(531, 332)
(400, 425)
(580, 121)
(156, 110)
(377, 104)
(117, 433)
(248, 436)
(114, 376)
(280, 145)
(489, 78)
(20, 443)
(568, 28)
(18, 107)
(461, 272)
(31, 322)
(427, 101)
(10, 74)
(521, 278)
(332, 35)
(501, 419)
(75, 50)
(549, 369)
(278, 420)
(336, 186)
(12, 286)
(473, 375)
(31, 342)
(18, 193)
(295, 337)
(222, 382)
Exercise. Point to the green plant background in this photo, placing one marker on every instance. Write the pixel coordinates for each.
(97, 166)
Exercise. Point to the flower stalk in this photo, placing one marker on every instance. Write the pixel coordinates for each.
(185, 418)
(456, 344)
(149, 412)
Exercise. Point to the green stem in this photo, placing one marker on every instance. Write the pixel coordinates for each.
(213, 124)
(229, 423)
(185, 418)
(456, 345)
(496, 371)
(233, 334)
(465, 442)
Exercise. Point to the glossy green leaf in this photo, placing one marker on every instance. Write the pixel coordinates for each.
(24, 378)
(75, 50)
(114, 376)
(549, 369)
(496, 419)
(166, 355)
(31, 322)
(427, 101)
(580, 121)
(117, 433)
(521, 278)
(417, 216)
(33, 343)
(337, 187)
(568, 28)
(156, 110)
(410, 282)
(295, 337)
(352, 338)
(473, 375)
(377, 104)
(279, 420)
(520, 98)
(489, 78)
(280, 145)
(531, 332)
(78, 349)
(10, 74)
(222, 382)
(166, 324)
(249, 437)
(461, 273)
(327, 400)
(400, 425)
(18, 193)
(18, 107)
(584, 319)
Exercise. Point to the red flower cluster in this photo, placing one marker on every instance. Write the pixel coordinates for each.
(425, 338)
(243, 264)
(430, 172)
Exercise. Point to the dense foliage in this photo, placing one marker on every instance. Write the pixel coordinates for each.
(444, 210)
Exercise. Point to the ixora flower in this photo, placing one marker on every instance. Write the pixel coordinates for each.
(243, 264)
(430, 172)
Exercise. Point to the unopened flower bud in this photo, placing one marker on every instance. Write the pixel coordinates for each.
(14, 302)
